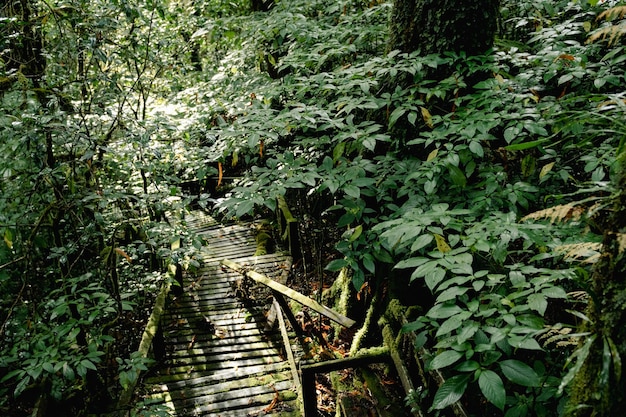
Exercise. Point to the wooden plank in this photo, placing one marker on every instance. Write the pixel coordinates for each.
(176, 380)
(294, 295)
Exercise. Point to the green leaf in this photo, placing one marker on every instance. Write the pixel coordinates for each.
(395, 115)
(581, 355)
(434, 277)
(420, 242)
(492, 388)
(336, 265)
(411, 263)
(617, 359)
(429, 186)
(68, 372)
(457, 176)
(467, 331)
(554, 292)
(352, 191)
(450, 392)
(519, 373)
(444, 359)
(424, 269)
(451, 293)
(525, 145)
(443, 311)
(476, 148)
(48, 367)
(467, 366)
(88, 364)
(524, 342)
(244, 208)
(538, 302)
(452, 323)
(368, 263)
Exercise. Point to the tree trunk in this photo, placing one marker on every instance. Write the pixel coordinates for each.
(597, 389)
(261, 5)
(438, 26)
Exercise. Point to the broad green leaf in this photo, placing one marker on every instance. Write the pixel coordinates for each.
(451, 294)
(411, 263)
(88, 364)
(336, 265)
(538, 302)
(453, 323)
(457, 176)
(434, 277)
(476, 148)
(352, 191)
(432, 155)
(467, 366)
(395, 115)
(443, 311)
(424, 269)
(420, 242)
(467, 331)
(524, 342)
(519, 373)
(368, 263)
(450, 392)
(429, 186)
(554, 292)
(444, 359)
(492, 388)
(536, 129)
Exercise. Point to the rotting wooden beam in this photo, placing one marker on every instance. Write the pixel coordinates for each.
(287, 343)
(294, 295)
(151, 330)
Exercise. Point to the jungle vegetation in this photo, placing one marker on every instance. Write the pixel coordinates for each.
(479, 182)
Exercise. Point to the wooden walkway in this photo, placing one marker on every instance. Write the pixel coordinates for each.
(219, 360)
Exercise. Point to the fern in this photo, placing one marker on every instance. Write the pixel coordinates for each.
(585, 252)
(613, 32)
(562, 212)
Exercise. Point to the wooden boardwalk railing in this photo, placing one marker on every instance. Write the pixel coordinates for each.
(218, 360)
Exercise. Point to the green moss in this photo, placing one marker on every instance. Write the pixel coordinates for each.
(263, 241)
(362, 333)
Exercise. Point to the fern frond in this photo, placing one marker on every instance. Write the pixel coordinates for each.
(617, 12)
(559, 213)
(613, 32)
(621, 241)
(585, 252)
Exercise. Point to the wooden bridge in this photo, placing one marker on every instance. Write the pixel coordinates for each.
(220, 352)
(217, 355)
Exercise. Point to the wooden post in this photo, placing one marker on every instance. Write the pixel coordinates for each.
(309, 396)
(288, 228)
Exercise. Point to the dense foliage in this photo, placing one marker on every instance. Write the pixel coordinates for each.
(478, 195)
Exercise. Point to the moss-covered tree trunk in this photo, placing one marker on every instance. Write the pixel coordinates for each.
(437, 26)
(598, 389)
